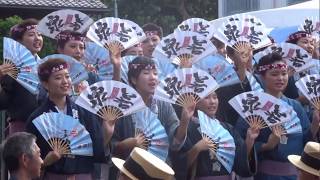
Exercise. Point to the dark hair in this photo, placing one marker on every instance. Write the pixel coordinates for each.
(135, 72)
(268, 59)
(61, 42)
(44, 69)
(294, 37)
(14, 146)
(17, 31)
(153, 27)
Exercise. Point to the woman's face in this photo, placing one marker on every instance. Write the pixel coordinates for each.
(59, 83)
(135, 51)
(276, 80)
(146, 82)
(32, 40)
(307, 43)
(73, 48)
(209, 104)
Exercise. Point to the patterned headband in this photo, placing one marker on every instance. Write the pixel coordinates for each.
(142, 66)
(23, 28)
(68, 37)
(54, 69)
(298, 35)
(272, 66)
(151, 33)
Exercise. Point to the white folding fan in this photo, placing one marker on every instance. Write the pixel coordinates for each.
(184, 48)
(77, 70)
(100, 59)
(110, 99)
(156, 138)
(219, 138)
(22, 64)
(295, 56)
(64, 134)
(219, 69)
(292, 126)
(197, 25)
(310, 88)
(260, 109)
(66, 19)
(243, 31)
(112, 33)
(185, 86)
(312, 26)
(139, 31)
(125, 67)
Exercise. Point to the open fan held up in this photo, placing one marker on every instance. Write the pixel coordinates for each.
(310, 88)
(185, 87)
(110, 99)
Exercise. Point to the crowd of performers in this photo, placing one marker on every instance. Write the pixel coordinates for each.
(260, 153)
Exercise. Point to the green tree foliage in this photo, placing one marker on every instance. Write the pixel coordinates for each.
(166, 13)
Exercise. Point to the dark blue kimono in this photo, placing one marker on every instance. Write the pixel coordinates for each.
(72, 164)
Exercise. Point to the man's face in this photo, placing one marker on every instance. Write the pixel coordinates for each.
(149, 44)
(33, 163)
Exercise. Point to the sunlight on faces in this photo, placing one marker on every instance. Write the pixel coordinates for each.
(146, 82)
(149, 44)
(307, 43)
(32, 40)
(59, 83)
(209, 104)
(73, 48)
(276, 80)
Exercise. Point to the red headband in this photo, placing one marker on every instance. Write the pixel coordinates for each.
(298, 35)
(18, 28)
(272, 66)
(142, 66)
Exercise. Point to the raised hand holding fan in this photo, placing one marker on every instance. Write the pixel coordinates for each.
(219, 139)
(156, 138)
(77, 70)
(242, 32)
(185, 87)
(310, 88)
(260, 109)
(184, 48)
(198, 25)
(111, 99)
(295, 56)
(20, 64)
(64, 134)
(114, 34)
(99, 58)
(66, 19)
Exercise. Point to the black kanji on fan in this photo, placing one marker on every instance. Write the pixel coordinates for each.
(97, 96)
(277, 50)
(275, 115)
(198, 84)
(313, 86)
(173, 86)
(254, 36)
(124, 102)
(251, 103)
(54, 23)
(298, 60)
(231, 32)
(184, 27)
(308, 27)
(78, 23)
(102, 31)
(171, 47)
(196, 46)
(203, 29)
(123, 33)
